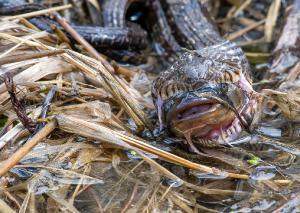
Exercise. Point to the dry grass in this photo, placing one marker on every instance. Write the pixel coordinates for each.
(88, 158)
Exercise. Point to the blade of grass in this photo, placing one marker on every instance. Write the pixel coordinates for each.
(101, 132)
(271, 19)
(38, 13)
(27, 147)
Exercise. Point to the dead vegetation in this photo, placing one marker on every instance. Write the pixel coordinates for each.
(73, 125)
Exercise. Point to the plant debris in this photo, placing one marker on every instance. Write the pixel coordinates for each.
(78, 130)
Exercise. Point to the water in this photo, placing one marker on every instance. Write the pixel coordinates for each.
(174, 183)
(200, 175)
(263, 173)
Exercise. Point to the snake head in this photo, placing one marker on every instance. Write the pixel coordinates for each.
(206, 94)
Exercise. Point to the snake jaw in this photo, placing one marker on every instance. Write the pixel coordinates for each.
(237, 126)
(227, 135)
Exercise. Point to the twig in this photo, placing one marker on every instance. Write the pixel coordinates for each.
(241, 8)
(17, 58)
(13, 48)
(241, 32)
(173, 158)
(26, 23)
(45, 107)
(247, 22)
(96, 131)
(21, 152)
(12, 198)
(92, 68)
(293, 73)
(160, 168)
(17, 105)
(124, 210)
(201, 189)
(38, 13)
(68, 28)
(289, 148)
(290, 205)
(4, 207)
(10, 135)
(271, 19)
(123, 70)
(95, 195)
(283, 182)
(61, 35)
(6, 126)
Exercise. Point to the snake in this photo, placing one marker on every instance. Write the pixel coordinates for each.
(205, 94)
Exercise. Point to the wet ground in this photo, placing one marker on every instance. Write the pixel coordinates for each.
(101, 153)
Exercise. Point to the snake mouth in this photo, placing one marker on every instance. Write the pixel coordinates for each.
(197, 116)
(209, 120)
(205, 118)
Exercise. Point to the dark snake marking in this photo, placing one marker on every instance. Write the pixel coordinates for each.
(101, 37)
(191, 23)
(113, 15)
(9, 7)
(164, 42)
